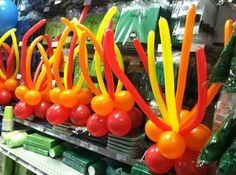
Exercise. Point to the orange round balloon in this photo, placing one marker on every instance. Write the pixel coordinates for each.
(20, 92)
(68, 98)
(54, 95)
(152, 131)
(84, 96)
(32, 97)
(1, 85)
(171, 145)
(198, 137)
(102, 105)
(183, 114)
(11, 84)
(124, 101)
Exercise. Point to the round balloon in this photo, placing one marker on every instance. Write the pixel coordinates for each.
(23, 110)
(152, 131)
(136, 117)
(54, 95)
(68, 98)
(20, 92)
(11, 84)
(8, 16)
(84, 96)
(102, 105)
(171, 144)
(5, 97)
(186, 164)
(97, 125)
(80, 114)
(157, 163)
(57, 114)
(124, 101)
(32, 97)
(1, 85)
(119, 123)
(40, 110)
(198, 137)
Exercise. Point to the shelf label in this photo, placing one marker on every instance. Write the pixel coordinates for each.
(120, 157)
(93, 147)
(40, 128)
(26, 122)
(57, 2)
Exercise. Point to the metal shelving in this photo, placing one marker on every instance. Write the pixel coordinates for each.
(36, 163)
(79, 142)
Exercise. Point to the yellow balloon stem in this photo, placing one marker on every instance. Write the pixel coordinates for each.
(153, 78)
(168, 73)
(11, 33)
(121, 64)
(101, 30)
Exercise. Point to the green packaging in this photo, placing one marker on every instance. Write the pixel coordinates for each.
(56, 151)
(36, 150)
(219, 142)
(42, 140)
(6, 165)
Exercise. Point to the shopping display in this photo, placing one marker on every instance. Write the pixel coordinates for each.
(117, 87)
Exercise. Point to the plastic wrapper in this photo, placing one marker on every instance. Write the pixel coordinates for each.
(220, 141)
(221, 69)
(15, 138)
(226, 165)
(230, 84)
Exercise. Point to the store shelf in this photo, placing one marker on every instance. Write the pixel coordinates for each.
(79, 142)
(36, 163)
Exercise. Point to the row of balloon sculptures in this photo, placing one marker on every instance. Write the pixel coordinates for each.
(178, 135)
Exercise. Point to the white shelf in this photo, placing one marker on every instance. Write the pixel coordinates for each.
(36, 163)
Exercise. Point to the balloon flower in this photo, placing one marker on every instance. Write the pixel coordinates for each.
(179, 130)
(8, 73)
(33, 93)
(114, 109)
(70, 101)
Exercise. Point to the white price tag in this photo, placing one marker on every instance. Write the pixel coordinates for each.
(120, 157)
(41, 129)
(20, 43)
(26, 122)
(93, 147)
(18, 76)
(54, 44)
(57, 2)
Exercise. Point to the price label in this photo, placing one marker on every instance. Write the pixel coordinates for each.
(93, 147)
(120, 157)
(41, 129)
(18, 76)
(26, 122)
(54, 44)
(20, 43)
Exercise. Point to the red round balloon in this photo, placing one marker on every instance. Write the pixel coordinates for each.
(57, 114)
(41, 109)
(23, 110)
(119, 123)
(136, 117)
(186, 164)
(157, 163)
(5, 97)
(80, 114)
(97, 125)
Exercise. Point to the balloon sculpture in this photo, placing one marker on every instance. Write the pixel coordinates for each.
(113, 110)
(179, 131)
(8, 82)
